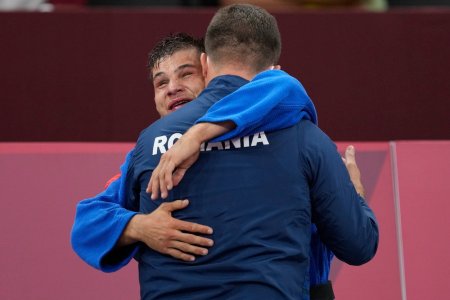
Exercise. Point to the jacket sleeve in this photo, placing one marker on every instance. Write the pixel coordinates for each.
(345, 222)
(272, 100)
(99, 223)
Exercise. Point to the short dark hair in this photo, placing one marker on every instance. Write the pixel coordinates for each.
(244, 33)
(169, 45)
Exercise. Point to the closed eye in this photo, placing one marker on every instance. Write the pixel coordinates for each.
(162, 83)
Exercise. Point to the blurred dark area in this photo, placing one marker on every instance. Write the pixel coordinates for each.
(420, 3)
(273, 5)
(80, 74)
(166, 3)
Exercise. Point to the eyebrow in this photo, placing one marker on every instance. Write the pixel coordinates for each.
(178, 69)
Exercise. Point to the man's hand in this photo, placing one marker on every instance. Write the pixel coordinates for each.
(173, 165)
(167, 235)
(353, 170)
(183, 154)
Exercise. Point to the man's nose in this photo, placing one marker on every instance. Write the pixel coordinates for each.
(174, 87)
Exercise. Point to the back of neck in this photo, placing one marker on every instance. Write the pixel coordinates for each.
(230, 70)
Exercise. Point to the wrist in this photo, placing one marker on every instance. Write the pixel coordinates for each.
(130, 234)
(203, 132)
(198, 133)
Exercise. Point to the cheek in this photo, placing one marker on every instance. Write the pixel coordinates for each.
(198, 86)
(159, 99)
(159, 103)
(160, 106)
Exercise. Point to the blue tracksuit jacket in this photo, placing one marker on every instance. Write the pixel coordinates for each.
(106, 212)
(260, 194)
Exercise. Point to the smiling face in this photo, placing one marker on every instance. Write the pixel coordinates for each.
(177, 80)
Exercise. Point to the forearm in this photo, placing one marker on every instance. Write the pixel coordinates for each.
(130, 234)
(204, 132)
(273, 100)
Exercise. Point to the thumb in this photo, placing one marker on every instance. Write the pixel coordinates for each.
(350, 154)
(175, 205)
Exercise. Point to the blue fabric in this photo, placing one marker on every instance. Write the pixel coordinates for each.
(320, 259)
(99, 223)
(259, 193)
(273, 100)
(283, 103)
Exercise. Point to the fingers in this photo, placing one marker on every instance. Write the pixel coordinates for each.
(161, 180)
(185, 251)
(184, 245)
(188, 248)
(192, 227)
(180, 157)
(184, 225)
(353, 170)
(165, 234)
(178, 175)
(350, 161)
(350, 155)
(181, 243)
(166, 178)
(174, 205)
(162, 186)
(153, 187)
(180, 255)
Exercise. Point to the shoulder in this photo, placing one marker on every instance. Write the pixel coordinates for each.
(310, 133)
(312, 140)
(145, 136)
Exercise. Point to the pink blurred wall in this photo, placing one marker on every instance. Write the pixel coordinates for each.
(40, 186)
(42, 182)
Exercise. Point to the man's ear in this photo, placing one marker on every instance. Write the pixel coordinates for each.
(204, 62)
(274, 67)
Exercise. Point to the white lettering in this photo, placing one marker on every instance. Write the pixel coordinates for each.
(159, 143)
(259, 137)
(217, 145)
(162, 143)
(246, 140)
(236, 142)
(173, 138)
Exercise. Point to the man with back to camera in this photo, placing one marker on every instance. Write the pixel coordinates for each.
(176, 72)
(261, 233)
(189, 78)
(322, 257)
